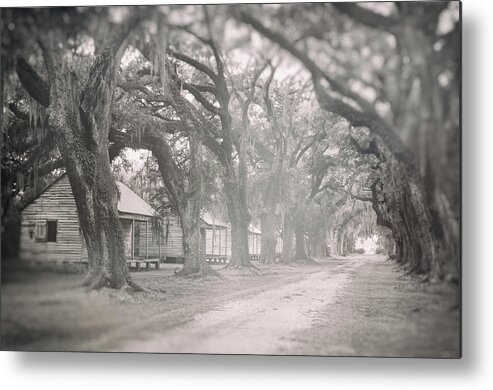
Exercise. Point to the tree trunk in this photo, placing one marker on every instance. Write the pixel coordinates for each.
(268, 217)
(189, 212)
(194, 263)
(342, 243)
(103, 232)
(334, 250)
(240, 220)
(299, 232)
(235, 187)
(78, 112)
(80, 121)
(287, 239)
(186, 195)
(269, 237)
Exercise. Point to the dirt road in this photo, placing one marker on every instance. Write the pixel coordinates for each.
(260, 324)
(359, 305)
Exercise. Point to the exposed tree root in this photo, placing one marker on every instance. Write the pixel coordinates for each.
(231, 265)
(197, 272)
(94, 279)
(306, 260)
(97, 279)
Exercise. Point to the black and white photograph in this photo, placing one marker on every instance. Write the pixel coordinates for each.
(233, 179)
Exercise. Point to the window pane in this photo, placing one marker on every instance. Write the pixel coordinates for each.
(52, 230)
(40, 230)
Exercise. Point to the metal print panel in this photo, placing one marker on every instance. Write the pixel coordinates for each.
(278, 179)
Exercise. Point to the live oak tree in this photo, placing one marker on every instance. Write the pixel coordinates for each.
(342, 173)
(75, 93)
(279, 189)
(28, 152)
(280, 148)
(29, 162)
(227, 143)
(153, 116)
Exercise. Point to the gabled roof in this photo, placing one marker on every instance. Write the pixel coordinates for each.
(46, 188)
(128, 202)
(211, 220)
(131, 203)
(253, 229)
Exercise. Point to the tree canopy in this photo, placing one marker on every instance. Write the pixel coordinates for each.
(320, 123)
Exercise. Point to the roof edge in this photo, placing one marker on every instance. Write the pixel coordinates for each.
(47, 187)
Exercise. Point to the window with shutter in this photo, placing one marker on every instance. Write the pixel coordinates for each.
(40, 231)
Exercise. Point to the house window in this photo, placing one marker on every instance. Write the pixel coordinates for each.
(40, 231)
(46, 231)
(51, 231)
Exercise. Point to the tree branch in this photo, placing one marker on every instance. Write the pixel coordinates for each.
(368, 17)
(201, 99)
(368, 119)
(381, 220)
(32, 82)
(194, 63)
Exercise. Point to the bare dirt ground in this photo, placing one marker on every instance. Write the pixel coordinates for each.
(360, 305)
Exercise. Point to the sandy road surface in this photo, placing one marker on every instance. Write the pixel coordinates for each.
(361, 305)
(260, 324)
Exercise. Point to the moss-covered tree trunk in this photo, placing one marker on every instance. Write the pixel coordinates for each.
(78, 112)
(194, 260)
(190, 208)
(186, 192)
(80, 119)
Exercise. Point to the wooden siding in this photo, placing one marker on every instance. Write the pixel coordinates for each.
(127, 236)
(171, 242)
(55, 204)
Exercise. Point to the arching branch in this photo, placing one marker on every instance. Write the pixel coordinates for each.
(368, 17)
(32, 82)
(368, 118)
(194, 63)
